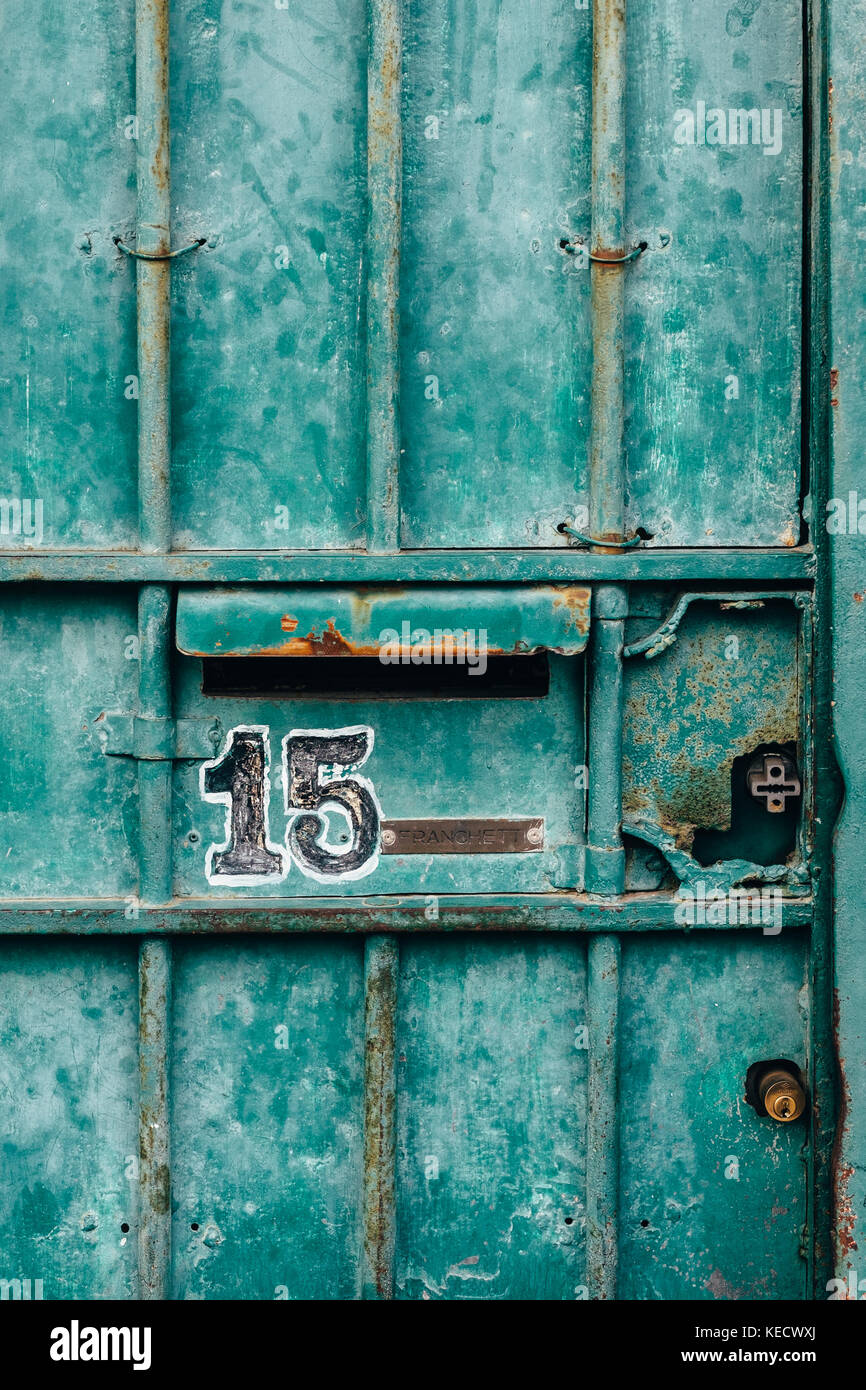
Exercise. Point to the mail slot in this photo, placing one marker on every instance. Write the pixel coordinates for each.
(403, 780)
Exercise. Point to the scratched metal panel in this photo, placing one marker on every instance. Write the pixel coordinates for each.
(492, 1067)
(327, 620)
(67, 303)
(713, 1197)
(69, 1118)
(495, 331)
(269, 161)
(267, 1125)
(490, 758)
(712, 351)
(68, 814)
(730, 683)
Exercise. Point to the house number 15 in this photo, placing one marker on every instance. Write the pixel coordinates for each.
(322, 791)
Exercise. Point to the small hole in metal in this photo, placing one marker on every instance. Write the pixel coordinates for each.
(124, 1226)
(194, 1226)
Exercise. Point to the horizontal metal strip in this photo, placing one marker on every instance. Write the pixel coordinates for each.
(515, 912)
(447, 623)
(436, 566)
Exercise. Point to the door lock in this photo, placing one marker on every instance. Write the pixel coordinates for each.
(782, 1096)
(773, 778)
(776, 1089)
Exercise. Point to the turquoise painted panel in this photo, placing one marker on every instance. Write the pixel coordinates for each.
(67, 301)
(844, 521)
(729, 684)
(712, 347)
(267, 1119)
(492, 1063)
(483, 758)
(68, 1119)
(713, 1198)
(495, 356)
(269, 163)
(68, 814)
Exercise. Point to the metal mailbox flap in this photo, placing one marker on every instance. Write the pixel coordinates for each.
(327, 620)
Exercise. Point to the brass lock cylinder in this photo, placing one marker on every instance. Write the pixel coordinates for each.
(782, 1095)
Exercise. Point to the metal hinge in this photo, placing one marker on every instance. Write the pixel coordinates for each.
(123, 735)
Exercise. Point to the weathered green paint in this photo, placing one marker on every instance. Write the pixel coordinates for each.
(492, 1067)
(431, 758)
(392, 336)
(603, 1126)
(154, 1121)
(847, 416)
(68, 343)
(605, 857)
(713, 1197)
(267, 1119)
(330, 621)
(381, 973)
(478, 912)
(384, 215)
(69, 1067)
(723, 298)
(500, 567)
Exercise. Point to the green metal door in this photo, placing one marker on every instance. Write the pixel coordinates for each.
(416, 785)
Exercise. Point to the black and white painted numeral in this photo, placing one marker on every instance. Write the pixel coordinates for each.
(333, 832)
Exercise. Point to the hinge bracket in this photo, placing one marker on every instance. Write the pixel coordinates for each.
(122, 735)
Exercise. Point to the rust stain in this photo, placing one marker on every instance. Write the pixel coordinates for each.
(845, 1218)
(331, 642)
(858, 598)
(288, 623)
(577, 601)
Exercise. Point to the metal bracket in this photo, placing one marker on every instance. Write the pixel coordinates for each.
(666, 634)
(123, 735)
(158, 255)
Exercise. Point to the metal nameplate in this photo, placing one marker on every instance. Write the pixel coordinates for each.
(463, 836)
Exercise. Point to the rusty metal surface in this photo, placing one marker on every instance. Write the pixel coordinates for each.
(154, 1126)
(384, 208)
(381, 962)
(447, 624)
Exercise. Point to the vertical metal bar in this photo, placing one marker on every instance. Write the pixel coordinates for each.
(154, 1217)
(823, 1226)
(605, 855)
(154, 776)
(154, 795)
(602, 1158)
(153, 237)
(381, 964)
(153, 277)
(605, 860)
(606, 472)
(384, 194)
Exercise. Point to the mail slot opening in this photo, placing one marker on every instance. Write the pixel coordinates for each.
(344, 677)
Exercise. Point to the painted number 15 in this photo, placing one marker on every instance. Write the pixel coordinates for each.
(321, 787)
